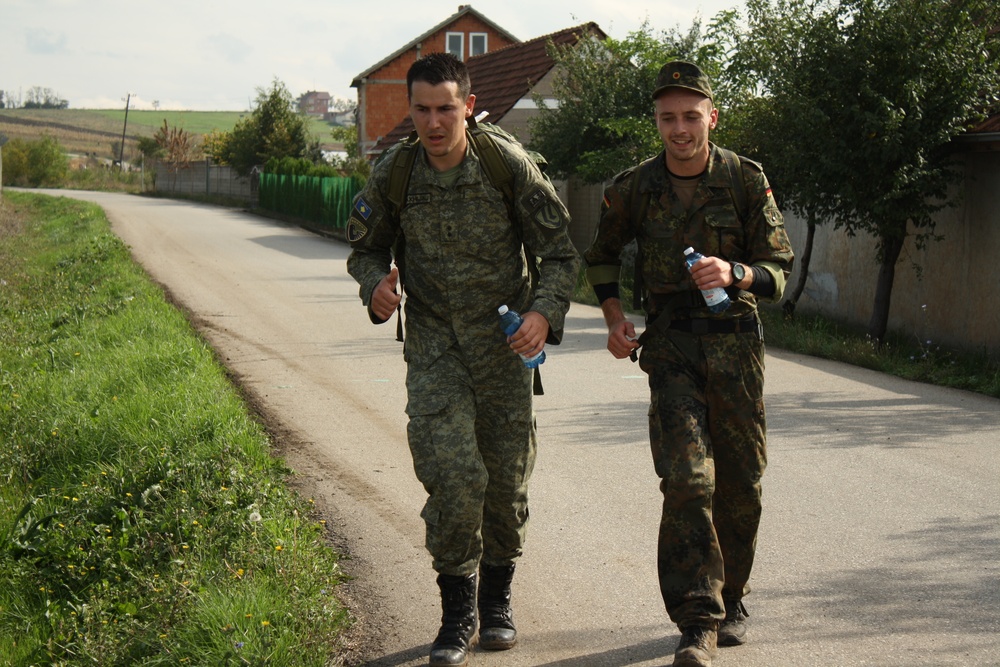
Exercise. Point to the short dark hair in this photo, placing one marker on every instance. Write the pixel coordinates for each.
(437, 68)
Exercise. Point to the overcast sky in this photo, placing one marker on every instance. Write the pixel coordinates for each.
(214, 54)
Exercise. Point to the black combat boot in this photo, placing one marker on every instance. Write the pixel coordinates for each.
(733, 630)
(496, 621)
(458, 621)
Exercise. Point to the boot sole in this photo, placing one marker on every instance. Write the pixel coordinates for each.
(439, 663)
(497, 645)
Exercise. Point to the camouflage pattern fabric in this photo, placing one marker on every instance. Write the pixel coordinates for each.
(469, 396)
(706, 416)
(707, 436)
(472, 437)
(711, 226)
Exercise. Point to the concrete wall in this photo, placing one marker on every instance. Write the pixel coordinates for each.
(946, 293)
(201, 178)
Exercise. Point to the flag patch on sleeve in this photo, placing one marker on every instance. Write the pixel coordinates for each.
(362, 207)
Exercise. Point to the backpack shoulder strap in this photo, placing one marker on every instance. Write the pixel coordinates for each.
(494, 162)
(399, 173)
(638, 203)
(738, 188)
(399, 182)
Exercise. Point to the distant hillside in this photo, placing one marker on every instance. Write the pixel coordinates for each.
(94, 131)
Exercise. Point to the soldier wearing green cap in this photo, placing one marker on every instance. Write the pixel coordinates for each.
(705, 368)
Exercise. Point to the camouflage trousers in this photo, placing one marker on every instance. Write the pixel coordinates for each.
(708, 439)
(471, 432)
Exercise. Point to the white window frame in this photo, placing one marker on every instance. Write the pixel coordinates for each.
(472, 42)
(460, 54)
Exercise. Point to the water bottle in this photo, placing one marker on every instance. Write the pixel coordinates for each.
(510, 322)
(716, 298)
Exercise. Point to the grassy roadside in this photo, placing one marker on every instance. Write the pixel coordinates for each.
(816, 336)
(143, 519)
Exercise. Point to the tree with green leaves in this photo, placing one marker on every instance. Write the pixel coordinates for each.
(354, 163)
(604, 120)
(272, 130)
(859, 101)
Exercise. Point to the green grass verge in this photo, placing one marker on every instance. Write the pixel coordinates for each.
(902, 356)
(143, 519)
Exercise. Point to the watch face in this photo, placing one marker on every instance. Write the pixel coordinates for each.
(738, 272)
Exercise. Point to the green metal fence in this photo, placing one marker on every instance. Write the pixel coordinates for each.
(323, 201)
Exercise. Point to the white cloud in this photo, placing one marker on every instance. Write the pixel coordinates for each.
(43, 42)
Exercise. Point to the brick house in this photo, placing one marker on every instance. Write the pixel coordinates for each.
(314, 103)
(382, 88)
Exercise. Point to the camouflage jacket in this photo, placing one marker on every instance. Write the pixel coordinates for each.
(711, 225)
(464, 257)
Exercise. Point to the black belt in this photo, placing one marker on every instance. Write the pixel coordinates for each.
(707, 326)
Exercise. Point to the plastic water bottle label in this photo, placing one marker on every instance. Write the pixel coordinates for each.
(714, 297)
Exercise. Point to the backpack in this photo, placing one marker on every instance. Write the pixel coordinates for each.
(737, 190)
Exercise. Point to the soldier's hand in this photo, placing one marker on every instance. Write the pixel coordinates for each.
(384, 297)
(711, 272)
(529, 340)
(621, 339)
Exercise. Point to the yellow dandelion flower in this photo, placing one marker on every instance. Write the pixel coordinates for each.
(265, 623)
(279, 548)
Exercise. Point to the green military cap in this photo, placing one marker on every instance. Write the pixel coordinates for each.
(680, 74)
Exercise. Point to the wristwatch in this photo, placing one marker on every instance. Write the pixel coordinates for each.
(739, 272)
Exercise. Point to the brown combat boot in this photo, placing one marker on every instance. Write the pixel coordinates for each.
(733, 629)
(458, 621)
(696, 648)
(496, 620)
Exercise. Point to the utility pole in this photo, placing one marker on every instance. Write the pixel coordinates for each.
(121, 153)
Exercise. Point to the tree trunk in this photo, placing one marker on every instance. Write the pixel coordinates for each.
(892, 246)
(789, 305)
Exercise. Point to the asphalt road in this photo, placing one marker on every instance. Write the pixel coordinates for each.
(881, 529)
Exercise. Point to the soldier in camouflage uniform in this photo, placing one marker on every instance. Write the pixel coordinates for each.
(471, 425)
(706, 415)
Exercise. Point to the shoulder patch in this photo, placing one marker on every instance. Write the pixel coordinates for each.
(549, 216)
(362, 208)
(356, 230)
(535, 198)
